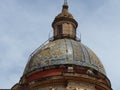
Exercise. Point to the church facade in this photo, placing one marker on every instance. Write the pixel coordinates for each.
(64, 63)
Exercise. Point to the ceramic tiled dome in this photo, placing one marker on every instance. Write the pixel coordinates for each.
(64, 51)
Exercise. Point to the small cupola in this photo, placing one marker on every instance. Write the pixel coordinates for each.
(64, 24)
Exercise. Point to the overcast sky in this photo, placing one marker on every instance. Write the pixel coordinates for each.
(25, 25)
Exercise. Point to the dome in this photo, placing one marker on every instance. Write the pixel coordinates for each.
(64, 14)
(64, 51)
(64, 62)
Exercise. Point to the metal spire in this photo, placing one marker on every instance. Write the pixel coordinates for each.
(65, 5)
(65, 2)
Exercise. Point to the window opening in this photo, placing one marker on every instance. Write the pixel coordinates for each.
(59, 30)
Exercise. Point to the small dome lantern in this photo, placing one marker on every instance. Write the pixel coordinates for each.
(64, 24)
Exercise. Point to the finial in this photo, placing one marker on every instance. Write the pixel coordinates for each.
(65, 5)
(65, 2)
